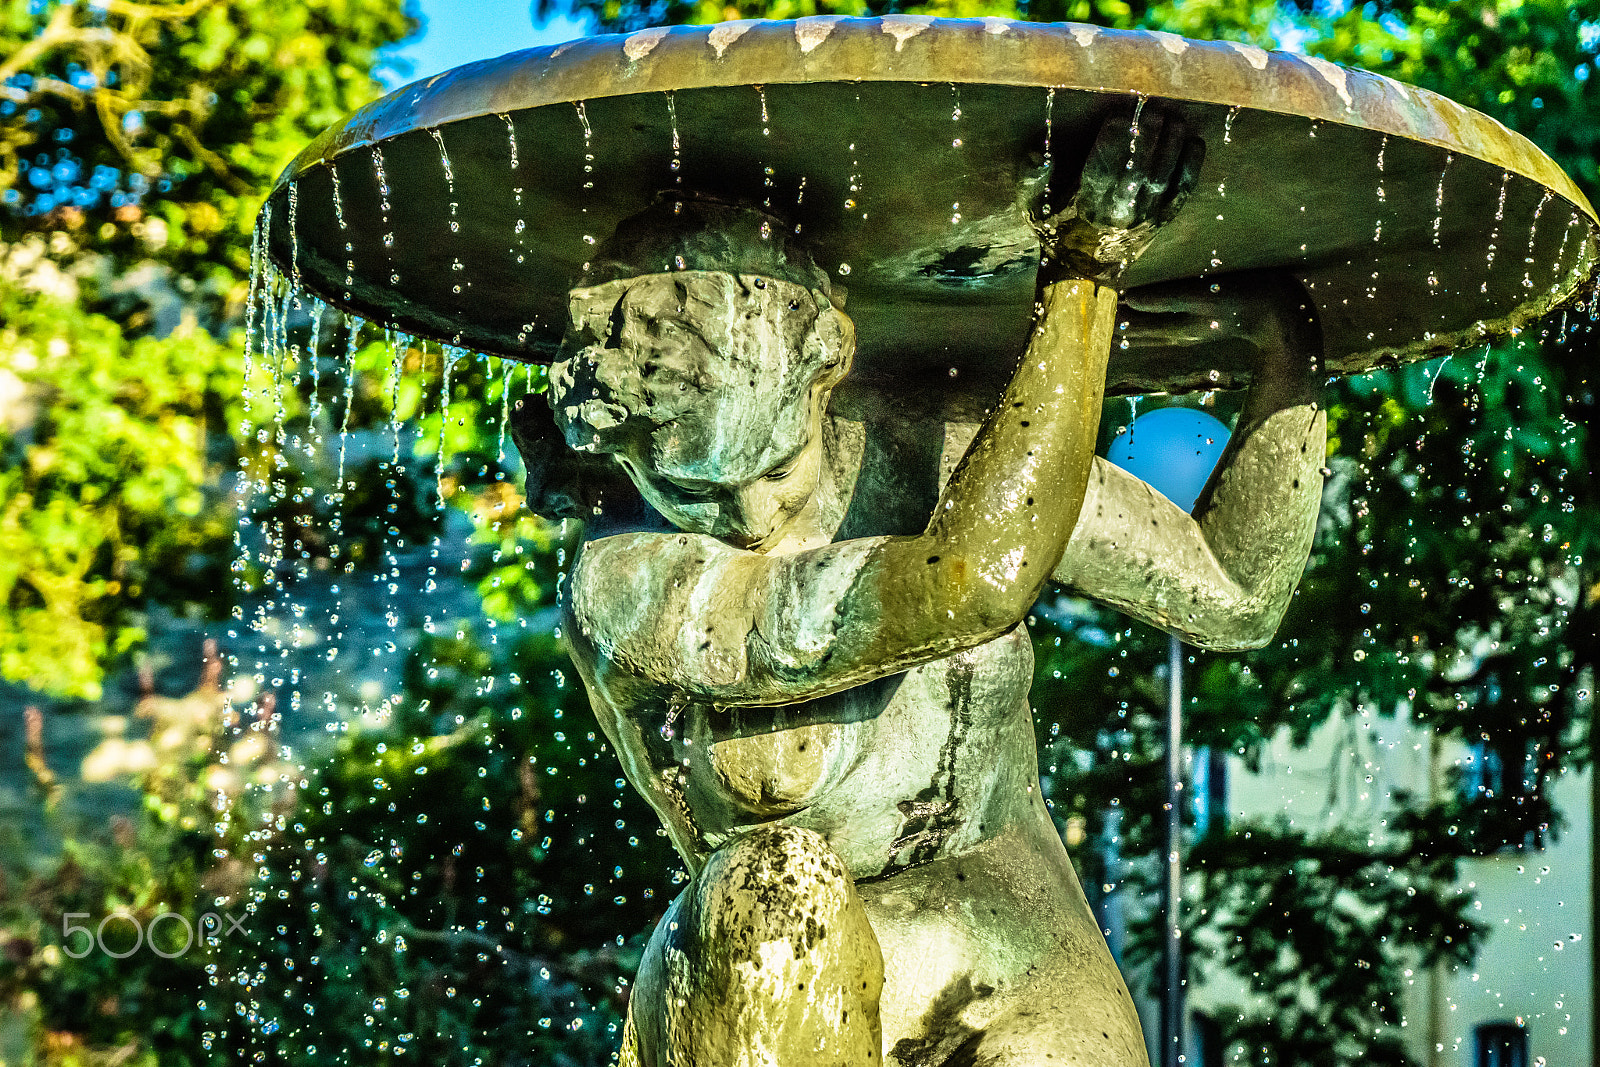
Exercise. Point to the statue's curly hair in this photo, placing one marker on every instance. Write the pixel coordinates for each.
(732, 403)
(677, 233)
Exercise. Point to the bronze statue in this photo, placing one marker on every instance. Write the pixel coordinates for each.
(809, 649)
(816, 669)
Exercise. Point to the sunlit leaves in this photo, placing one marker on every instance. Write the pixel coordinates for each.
(182, 110)
(109, 493)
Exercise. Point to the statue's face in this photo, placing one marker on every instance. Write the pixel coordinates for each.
(727, 373)
(746, 513)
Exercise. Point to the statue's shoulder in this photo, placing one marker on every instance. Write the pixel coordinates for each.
(644, 559)
(653, 609)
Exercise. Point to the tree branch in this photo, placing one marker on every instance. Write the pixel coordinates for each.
(57, 31)
(150, 11)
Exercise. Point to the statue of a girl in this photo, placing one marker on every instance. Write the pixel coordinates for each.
(816, 668)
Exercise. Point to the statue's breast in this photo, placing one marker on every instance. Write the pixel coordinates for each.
(773, 761)
(863, 758)
(778, 772)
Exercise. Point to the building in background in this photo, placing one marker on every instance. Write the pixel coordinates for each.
(1528, 1000)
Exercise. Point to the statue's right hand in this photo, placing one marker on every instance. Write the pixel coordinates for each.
(1140, 171)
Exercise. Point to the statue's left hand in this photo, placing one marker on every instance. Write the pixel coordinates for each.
(1264, 319)
(1139, 173)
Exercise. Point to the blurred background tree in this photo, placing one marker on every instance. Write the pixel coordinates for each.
(147, 133)
(136, 142)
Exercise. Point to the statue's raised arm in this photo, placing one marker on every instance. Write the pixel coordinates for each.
(1223, 577)
(711, 387)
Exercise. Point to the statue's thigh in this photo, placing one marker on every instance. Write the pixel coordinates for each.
(767, 957)
(1061, 1022)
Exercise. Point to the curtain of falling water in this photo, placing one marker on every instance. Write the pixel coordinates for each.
(358, 516)
(398, 739)
(350, 561)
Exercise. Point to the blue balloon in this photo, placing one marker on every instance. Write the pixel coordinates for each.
(1173, 449)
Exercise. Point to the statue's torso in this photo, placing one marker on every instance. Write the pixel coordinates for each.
(924, 782)
(893, 773)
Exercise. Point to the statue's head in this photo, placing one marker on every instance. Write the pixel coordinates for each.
(701, 355)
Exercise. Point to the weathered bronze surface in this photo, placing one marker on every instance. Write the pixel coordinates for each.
(907, 151)
(820, 491)
(809, 651)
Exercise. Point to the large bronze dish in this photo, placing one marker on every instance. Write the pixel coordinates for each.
(906, 150)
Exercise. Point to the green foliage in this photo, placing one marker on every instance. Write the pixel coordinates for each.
(137, 136)
(139, 1002)
(108, 486)
(613, 16)
(169, 119)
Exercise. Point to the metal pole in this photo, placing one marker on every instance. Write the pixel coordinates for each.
(1594, 889)
(1172, 1001)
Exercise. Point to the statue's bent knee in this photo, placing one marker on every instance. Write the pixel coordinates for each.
(769, 949)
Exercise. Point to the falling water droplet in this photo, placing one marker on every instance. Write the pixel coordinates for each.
(1533, 237)
(1561, 272)
(1436, 375)
(1438, 198)
(505, 408)
(451, 356)
(1133, 128)
(352, 327)
(294, 233)
(318, 309)
(855, 175)
(398, 345)
(1494, 235)
(1049, 132)
(382, 179)
(254, 312)
(450, 182)
(338, 199)
(677, 148)
(444, 159)
(1377, 229)
(344, 230)
(588, 143)
(288, 360)
(511, 139)
(583, 120)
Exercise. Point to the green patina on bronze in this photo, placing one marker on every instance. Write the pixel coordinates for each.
(809, 654)
(810, 539)
(1293, 170)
